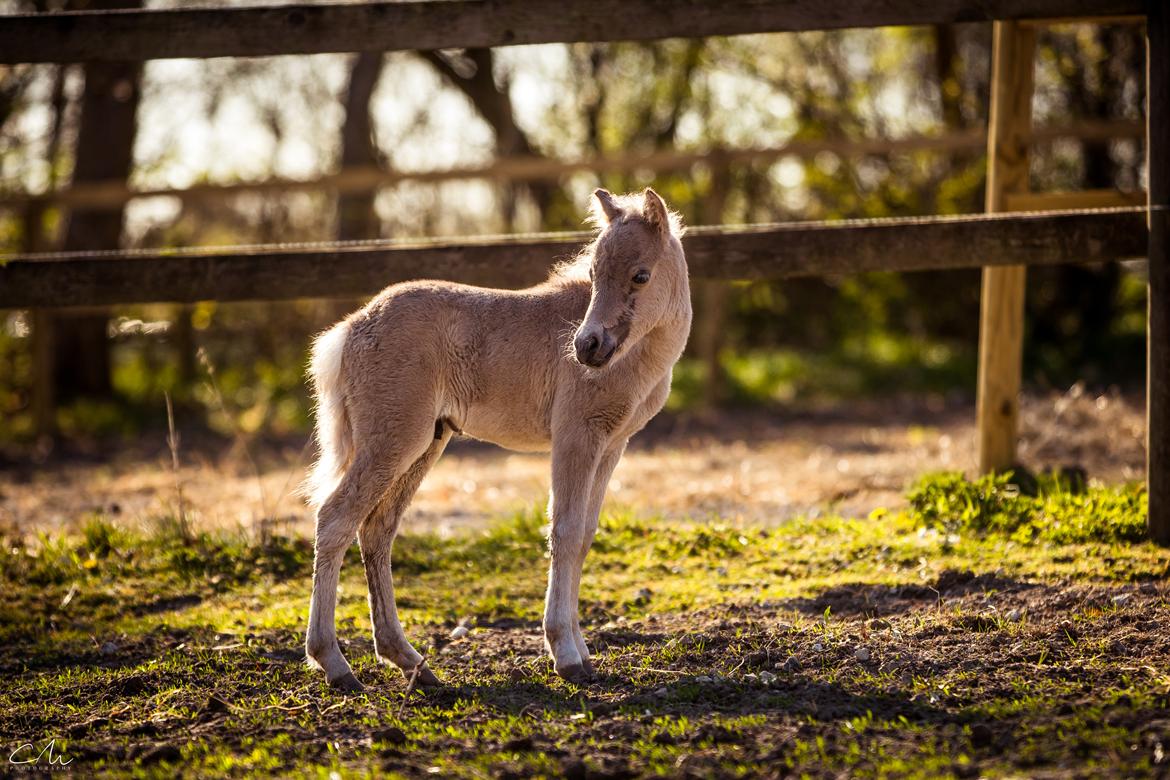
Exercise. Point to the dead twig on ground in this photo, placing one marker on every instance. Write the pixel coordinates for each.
(410, 687)
(282, 708)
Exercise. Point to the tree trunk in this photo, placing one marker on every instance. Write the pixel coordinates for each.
(356, 219)
(946, 71)
(473, 76)
(1074, 306)
(105, 147)
(43, 401)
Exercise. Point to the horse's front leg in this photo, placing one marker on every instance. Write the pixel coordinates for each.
(575, 461)
(601, 479)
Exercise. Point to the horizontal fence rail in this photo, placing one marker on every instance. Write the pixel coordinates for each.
(392, 26)
(108, 194)
(751, 252)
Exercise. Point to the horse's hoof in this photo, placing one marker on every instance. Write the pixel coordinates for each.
(347, 683)
(578, 674)
(587, 664)
(425, 678)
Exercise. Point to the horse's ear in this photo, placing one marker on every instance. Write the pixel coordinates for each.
(655, 212)
(606, 208)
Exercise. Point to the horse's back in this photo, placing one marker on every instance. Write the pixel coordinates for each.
(485, 359)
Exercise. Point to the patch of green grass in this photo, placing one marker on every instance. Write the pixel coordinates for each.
(725, 649)
(950, 502)
(104, 550)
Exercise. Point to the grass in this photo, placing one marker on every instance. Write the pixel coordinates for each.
(981, 631)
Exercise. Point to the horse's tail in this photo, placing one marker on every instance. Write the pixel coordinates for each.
(334, 434)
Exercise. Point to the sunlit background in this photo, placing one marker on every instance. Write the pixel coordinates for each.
(705, 122)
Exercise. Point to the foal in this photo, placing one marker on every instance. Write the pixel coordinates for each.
(424, 360)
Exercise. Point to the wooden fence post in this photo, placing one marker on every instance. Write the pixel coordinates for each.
(1158, 333)
(1001, 320)
(712, 297)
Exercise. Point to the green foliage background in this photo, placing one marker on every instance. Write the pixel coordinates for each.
(782, 342)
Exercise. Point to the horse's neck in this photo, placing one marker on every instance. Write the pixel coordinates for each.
(674, 331)
(661, 347)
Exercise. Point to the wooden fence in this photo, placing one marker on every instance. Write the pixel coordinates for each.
(349, 269)
(110, 194)
(454, 24)
(1003, 244)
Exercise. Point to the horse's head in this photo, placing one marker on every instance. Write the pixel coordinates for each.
(639, 277)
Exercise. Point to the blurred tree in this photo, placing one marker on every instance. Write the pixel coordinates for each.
(43, 390)
(105, 145)
(472, 73)
(13, 82)
(279, 116)
(356, 218)
(1071, 308)
(946, 67)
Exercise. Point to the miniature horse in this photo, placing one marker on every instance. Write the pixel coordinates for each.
(424, 360)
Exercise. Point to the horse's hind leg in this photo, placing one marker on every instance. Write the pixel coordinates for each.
(337, 522)
(372, 473)
(376, 536)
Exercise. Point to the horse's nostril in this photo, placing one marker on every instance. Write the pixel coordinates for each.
(586, 346)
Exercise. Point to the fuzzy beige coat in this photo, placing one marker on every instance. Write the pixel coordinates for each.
(575, 365)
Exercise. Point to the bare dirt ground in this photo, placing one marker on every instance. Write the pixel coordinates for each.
(924, 681)
(821, 648)
(750, 466)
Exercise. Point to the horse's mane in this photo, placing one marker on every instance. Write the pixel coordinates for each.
(576, 268)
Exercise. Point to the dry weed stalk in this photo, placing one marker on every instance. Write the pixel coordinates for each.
(292, 472)
(173, 446)
(241, 442)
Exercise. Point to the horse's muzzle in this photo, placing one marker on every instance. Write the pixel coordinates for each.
(594, 349)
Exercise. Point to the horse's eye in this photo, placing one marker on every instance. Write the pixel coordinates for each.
(641, 277)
